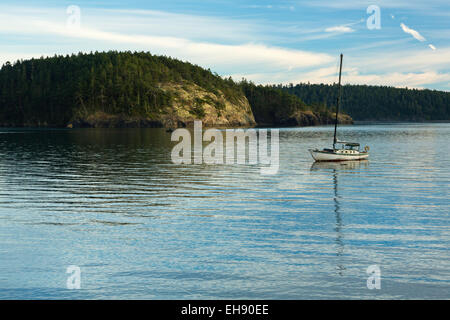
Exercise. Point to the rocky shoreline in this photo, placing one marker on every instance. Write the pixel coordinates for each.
(103, 120)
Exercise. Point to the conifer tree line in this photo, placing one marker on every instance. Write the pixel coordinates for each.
(52, 91)
(363, 102)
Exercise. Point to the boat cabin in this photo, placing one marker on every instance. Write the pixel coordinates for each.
(347, 147)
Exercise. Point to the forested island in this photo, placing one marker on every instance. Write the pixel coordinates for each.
(138, 89)
(377, 103)
(117, 89)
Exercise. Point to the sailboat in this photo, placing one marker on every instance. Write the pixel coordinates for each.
(342, 150)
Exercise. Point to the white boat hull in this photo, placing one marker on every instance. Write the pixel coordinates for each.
(320, 155)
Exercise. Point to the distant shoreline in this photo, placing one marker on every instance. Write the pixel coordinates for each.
(368, 122)
(219, 126)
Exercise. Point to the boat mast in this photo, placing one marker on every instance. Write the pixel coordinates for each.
(337, 104)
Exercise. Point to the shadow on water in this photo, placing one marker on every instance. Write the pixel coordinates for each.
(337, 168)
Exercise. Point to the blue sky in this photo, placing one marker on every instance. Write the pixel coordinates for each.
(264, 41)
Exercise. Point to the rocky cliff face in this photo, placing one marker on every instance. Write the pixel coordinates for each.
(190, 102)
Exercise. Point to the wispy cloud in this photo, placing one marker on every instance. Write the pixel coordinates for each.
(328, 75)
(256, 6)
(339, 29)
(397, 79)
(246, 56)
(412, 32)
(358, 4)
(269, 6)
(142, 21)
(432, 47)
(404, 61)
(418, 70)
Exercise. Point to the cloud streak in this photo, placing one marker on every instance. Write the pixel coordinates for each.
(246, 55)
(412, 32)
(399, 69)
(327, 75)
(339, 29)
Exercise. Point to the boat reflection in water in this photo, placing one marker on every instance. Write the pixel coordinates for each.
(344, 167)
(339, 165)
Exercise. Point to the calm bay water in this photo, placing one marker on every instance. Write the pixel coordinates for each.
(111, 202)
